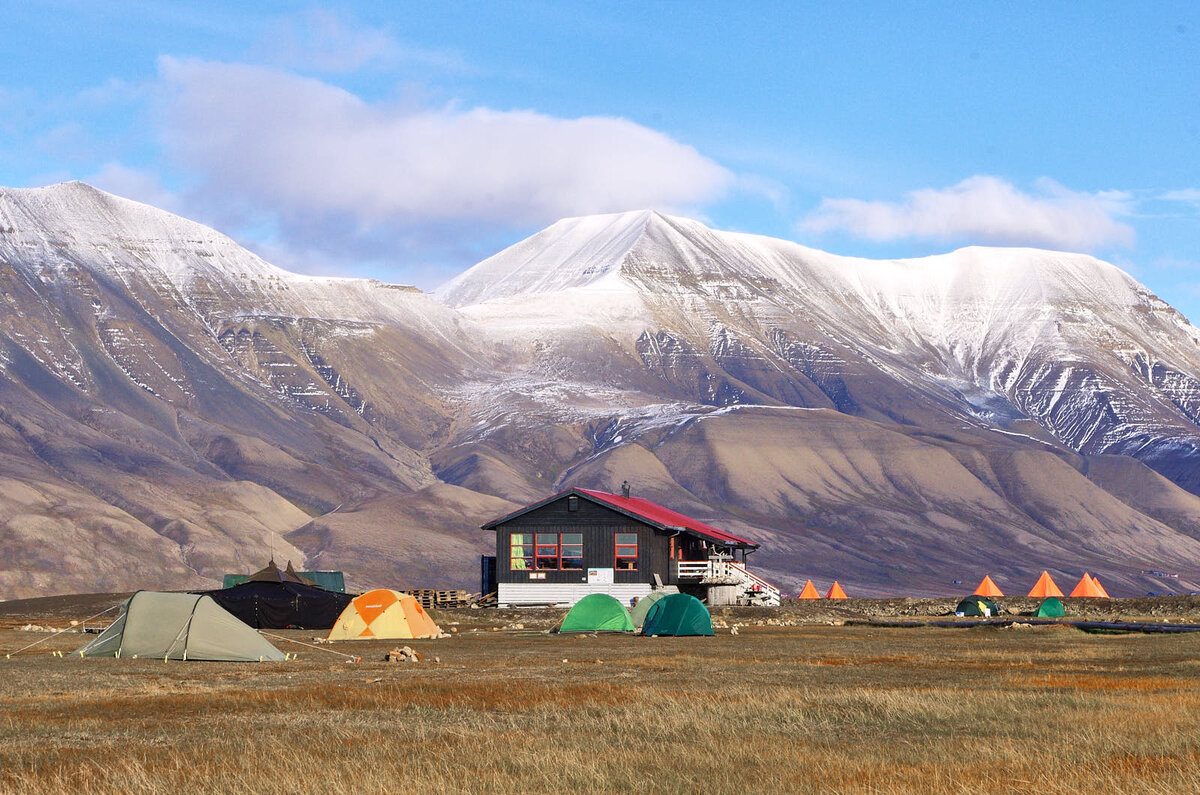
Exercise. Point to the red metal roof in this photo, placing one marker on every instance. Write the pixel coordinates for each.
(649, 512)
(654, 513)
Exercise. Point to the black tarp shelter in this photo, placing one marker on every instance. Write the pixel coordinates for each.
(329, 580)
(271, 573)
(282, 605)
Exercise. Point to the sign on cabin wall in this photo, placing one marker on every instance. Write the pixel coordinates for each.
(600, 576)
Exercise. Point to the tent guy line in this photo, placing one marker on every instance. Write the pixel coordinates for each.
(350, 657)
(9, 655)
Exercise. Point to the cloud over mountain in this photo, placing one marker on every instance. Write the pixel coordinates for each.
(984, 209)
(308, 152)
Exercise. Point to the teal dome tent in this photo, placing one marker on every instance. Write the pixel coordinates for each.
(678, 614)
(643, 606)
(1051, 608)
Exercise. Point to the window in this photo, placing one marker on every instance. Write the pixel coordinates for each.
(555, 551)
(627, 552)
(547, 550)
(522, 551)
(573, 502)
(571, 546)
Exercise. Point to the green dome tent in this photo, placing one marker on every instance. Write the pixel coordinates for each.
(597, 612)
(977, 606)
(179, 626)
(639, 611)
(678, 614)
(1051, 608)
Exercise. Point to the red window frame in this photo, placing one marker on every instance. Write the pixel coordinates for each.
(549, 556)
(563, 546)
(553, 557)
(527, 549)
(621, 552)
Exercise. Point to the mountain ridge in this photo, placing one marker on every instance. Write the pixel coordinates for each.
(888, 423)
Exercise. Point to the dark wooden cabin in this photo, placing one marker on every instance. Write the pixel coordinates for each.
(582, 541)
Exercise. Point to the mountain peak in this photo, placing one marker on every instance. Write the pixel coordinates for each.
(77, 222)
(571, 253)
(83, 210)
(74, 196)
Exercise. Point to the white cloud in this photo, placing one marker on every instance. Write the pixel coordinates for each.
(310, 154)
(1189, 195)
(985, 209)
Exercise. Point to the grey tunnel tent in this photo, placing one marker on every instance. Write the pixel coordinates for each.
(179, 626)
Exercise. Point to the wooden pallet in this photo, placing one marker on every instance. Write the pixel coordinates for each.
(430, 598)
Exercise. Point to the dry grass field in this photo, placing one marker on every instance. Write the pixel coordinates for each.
(809, 708)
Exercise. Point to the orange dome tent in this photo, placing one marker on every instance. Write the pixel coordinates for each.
(383, 614)
(988, 588)
(1045, 587)
(1100, 588)
(809, 592)
(836, 592)
(1087, 587)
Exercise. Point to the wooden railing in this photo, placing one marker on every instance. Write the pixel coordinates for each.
(684, 570)
(692, 569)
(766, 587)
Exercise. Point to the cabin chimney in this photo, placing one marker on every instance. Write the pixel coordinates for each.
(625, 489)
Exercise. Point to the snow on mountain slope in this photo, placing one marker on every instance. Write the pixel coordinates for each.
(962, 299)
(571, 253)
(45, 224)
(74, 223)
(998, 334)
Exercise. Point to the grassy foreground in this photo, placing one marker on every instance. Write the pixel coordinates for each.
(803, 708)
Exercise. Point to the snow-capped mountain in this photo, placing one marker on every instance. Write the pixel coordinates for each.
(211, 400)
(1001, 334)
(172, 406)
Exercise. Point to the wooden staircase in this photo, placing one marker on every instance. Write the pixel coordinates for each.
(753, 589)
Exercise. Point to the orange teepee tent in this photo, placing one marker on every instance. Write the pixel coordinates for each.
(836, 592)
(988, 588)
(809, 592)
(1086, 587)
(1100, 588)
(1045, 587)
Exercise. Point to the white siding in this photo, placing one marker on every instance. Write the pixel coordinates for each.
(513, 594)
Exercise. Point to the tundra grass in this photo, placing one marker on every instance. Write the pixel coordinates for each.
(809, 709)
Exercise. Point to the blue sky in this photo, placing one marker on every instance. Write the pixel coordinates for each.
(406, 141)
